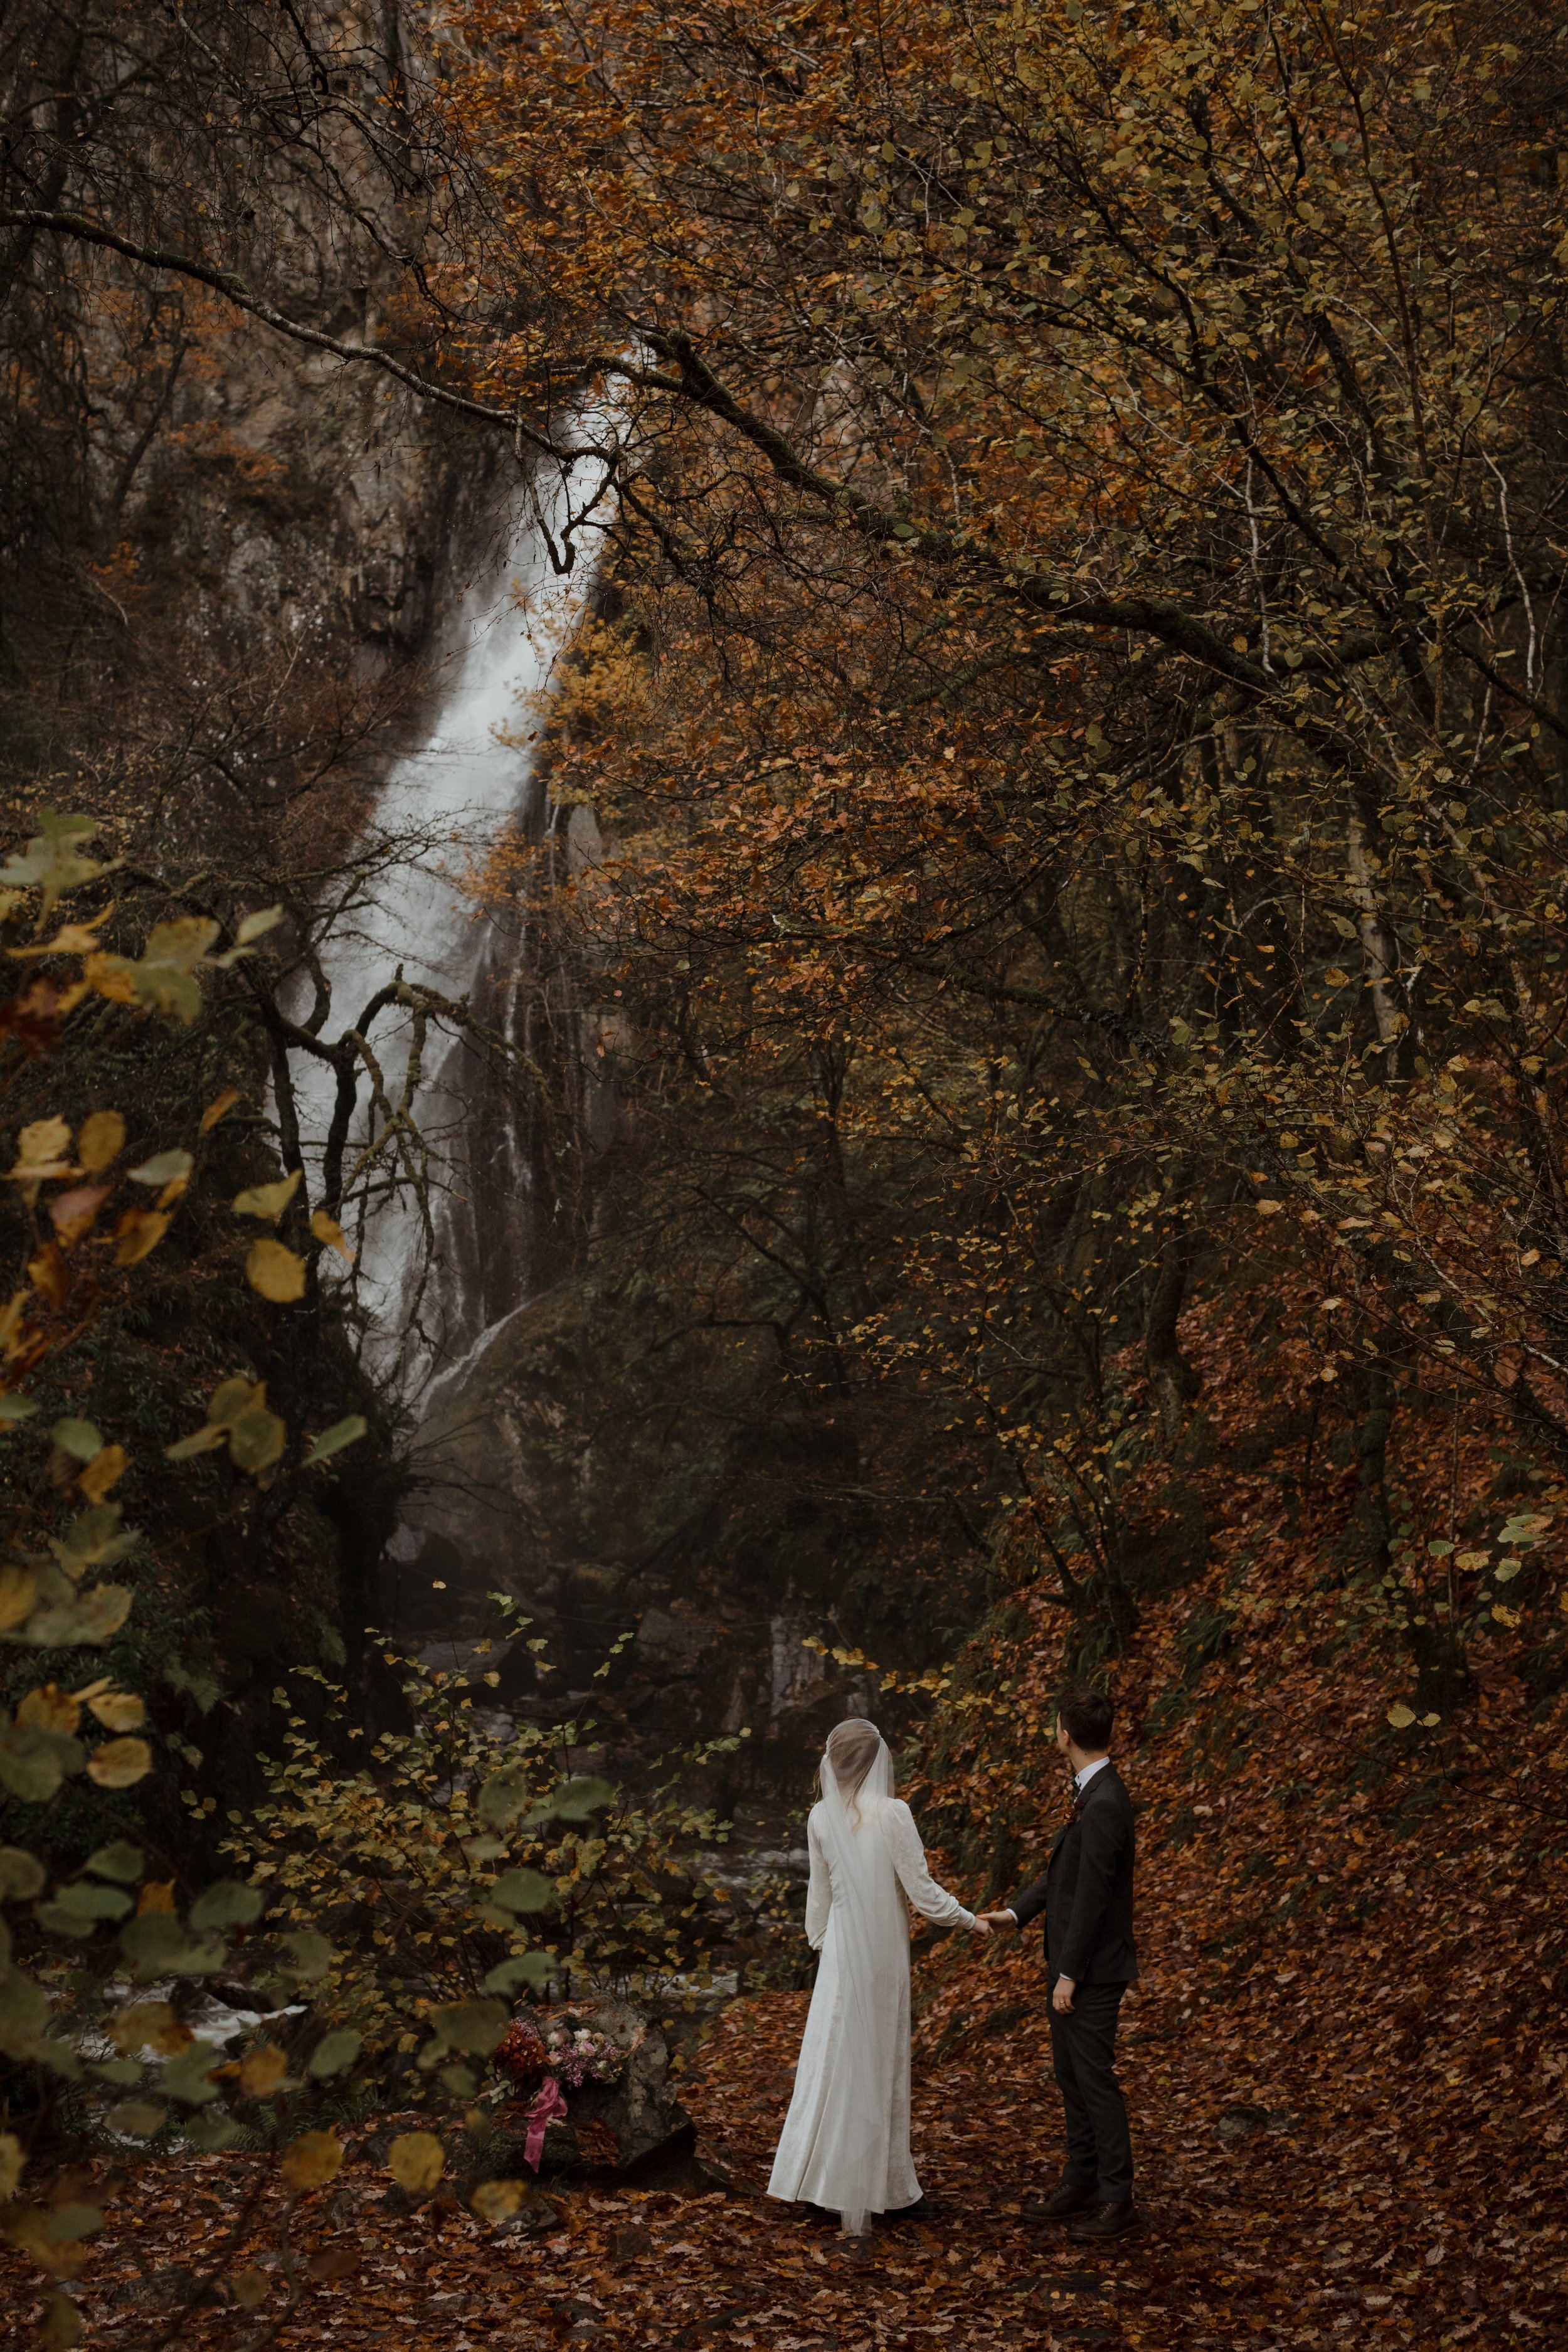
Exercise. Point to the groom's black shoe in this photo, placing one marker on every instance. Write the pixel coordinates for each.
(1106, 2222)
(1064, 2200)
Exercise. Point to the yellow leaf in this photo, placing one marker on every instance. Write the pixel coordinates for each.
(326, 1229)
(267, 1200)
(62, 2330)
(261, 2069)
(71, 938)
(257, 926)
(139, 1231)
(314, 2158)
(275, 1271)
(1401, 1715)
(120, 1763)
(48, 1273)
(416, 2161)
(43, 1149)
(102, 1139)
(149, 2023)
(233, 1397)
(118, 1711)
(1268, 1208)
(50, 1709)
(219, 1106)
(107, 1465)
(113, 976)
(497, 2200)
(137, 2026)
(18, 1591)
(181, 944)
(11, 2162)
(158, 1895)
(249, 2289)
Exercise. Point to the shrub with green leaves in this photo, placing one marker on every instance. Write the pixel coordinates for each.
(465, 1862)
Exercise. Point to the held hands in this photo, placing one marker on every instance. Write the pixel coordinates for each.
(980, 1925)
(989, 1919)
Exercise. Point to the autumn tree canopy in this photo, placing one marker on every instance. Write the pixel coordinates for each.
(1076, 702)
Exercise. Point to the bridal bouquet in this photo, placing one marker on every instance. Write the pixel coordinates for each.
(563, 2049)
(576, 2054)
(540, 2060)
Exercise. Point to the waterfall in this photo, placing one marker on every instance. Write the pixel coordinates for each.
(441, 806)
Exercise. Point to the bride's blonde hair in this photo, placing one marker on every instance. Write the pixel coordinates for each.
(852, 1749)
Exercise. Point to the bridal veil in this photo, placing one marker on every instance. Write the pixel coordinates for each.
(873, 1936)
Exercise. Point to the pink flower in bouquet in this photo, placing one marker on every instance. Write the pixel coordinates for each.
(576, 2054)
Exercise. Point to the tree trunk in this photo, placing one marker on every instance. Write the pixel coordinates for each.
(1171, 1378)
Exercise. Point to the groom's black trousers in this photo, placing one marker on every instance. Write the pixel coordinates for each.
(1083, 2054)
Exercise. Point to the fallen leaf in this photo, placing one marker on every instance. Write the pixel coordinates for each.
(311, 2161)
(416, 2161)
(275, 1271)
(49, 1710)
(139, 1232)
(219, 1106)
(101, 1139)
(261, 2069)
(120, 1763)
(327, 1230)
(118, 1711)
(108, 1466)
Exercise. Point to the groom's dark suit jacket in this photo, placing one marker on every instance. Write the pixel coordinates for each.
(1086, 1888)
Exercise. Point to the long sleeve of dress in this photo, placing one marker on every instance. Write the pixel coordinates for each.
(909, 1862)
(819, 1892)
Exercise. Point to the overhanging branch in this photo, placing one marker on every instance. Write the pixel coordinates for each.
(234, 289)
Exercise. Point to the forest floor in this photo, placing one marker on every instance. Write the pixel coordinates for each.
(1345, 2065)
(1383, 2193)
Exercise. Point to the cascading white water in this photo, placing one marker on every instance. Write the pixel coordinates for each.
(444, 803)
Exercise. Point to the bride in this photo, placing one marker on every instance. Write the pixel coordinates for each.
(845, 2140)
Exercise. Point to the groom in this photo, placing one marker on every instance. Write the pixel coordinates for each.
(1085, 1893)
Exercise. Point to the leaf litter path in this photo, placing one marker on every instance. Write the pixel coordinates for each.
(1300, 2234)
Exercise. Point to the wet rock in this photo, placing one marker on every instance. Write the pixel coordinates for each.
(641, 2111)
(1237, 2124)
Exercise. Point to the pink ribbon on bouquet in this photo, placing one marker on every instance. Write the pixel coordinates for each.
(548, 2108)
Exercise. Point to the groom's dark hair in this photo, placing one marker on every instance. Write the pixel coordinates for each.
(1087, 1715)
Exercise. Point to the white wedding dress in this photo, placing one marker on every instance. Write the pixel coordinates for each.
(845, 2140)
